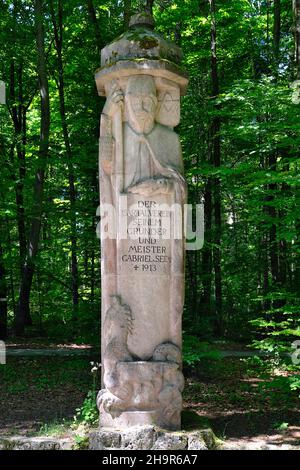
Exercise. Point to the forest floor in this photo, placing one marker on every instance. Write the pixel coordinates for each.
(236, 397)
(245, 402)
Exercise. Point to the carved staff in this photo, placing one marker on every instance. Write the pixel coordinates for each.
(118, 166)
(118, 134)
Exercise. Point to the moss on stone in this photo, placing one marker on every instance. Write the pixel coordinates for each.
(148, 43)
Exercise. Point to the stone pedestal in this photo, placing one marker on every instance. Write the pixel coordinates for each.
(142, 192)
(151, 438)
(148, 387)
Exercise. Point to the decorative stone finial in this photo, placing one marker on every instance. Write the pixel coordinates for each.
(142, 19)
(141, 49)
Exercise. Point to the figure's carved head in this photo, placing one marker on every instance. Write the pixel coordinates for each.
(141, 103)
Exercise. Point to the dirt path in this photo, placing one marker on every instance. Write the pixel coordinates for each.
(89, 351)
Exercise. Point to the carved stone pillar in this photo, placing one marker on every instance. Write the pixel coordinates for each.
(142, 194)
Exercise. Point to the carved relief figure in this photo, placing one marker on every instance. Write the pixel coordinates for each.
(170, 398)
(148, 167)
(134, 124)
(117, 325)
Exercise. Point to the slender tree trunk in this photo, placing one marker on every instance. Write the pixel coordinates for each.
(266, 302)
(94, 21)
(296, 11)
(207, 251)
(11, 274)
(265, 245)
(276, 31)
(94, 272)
(127, 13)
(58, 40)
(149, 6)
(19, 121)
(273, 244)
(216, 161)
(23, 306)
(3, 295)
(18, 114)
(296, 30)
(92, 277)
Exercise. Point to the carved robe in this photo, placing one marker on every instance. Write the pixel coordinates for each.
(144, 156)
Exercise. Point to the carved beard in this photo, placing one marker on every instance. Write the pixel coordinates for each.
(140, 120)
(142, 123)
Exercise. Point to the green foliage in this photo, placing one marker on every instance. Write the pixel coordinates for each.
(81, 443)
(88, 413)
(281, 426)
(285, 385)
(54, 429)
(194, 351)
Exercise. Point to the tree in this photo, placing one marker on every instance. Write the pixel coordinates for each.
(296, 12)
(58, 41)
(36, 218)
(216, 162)
(3, 295)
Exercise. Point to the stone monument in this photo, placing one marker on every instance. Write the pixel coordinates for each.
(142, 197)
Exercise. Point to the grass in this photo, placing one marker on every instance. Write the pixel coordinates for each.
(44, 374)
(54, 429)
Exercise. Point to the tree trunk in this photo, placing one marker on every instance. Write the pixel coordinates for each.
(94, 21)
(149, 6)
(273, 244)
(216, 161)
(276, 31)
(11, 274)
(58, 40)
(3, 295)
(207, 251)
(296, 11)
(23, 307)
(18, 114)
(127, 13)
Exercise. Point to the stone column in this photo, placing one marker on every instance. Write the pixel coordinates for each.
(142, 194)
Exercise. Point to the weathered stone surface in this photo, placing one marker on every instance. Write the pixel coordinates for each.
(105, 439)
(170, 441)
(198, 441)
(140, 41)
(35, 443)
(142, 187)
(160, 69)
(152, 438)
(138, 438)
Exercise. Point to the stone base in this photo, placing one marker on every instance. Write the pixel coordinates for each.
(151, 438)
(128, 419)
(148, 393)
(35, 443)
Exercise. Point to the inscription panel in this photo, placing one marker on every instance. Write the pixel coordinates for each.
(149, 225)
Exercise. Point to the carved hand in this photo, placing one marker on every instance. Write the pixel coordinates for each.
(152, 186)
(114, 103)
